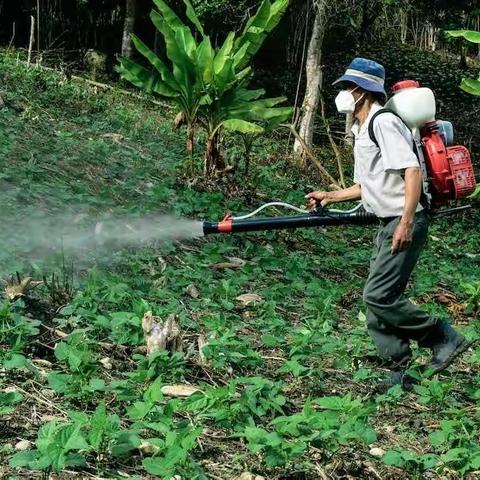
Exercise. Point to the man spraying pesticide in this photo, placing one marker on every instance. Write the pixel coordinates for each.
(405, 165)
(389, 181)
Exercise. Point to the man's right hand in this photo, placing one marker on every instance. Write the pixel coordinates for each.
(322, 198)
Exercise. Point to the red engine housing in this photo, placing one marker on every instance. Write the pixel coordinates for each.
(450, 169)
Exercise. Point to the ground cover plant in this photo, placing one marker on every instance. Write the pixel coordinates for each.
(285, 385)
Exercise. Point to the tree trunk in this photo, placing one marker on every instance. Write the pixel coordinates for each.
(314, 81)
(213, 155)
(32, 38)
(190, 147)
(128, 28)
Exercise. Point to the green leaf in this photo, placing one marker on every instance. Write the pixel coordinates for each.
(99, 424)
(170, 16)
(192, 16)
(476, 193)
(224, 54)
(23, 459)
(96, 384)
(471, 86)
(393, 458)
(125, 442)
(205, 57)
(153, 58)
(139, 410)
(59, 381)
(177, 51)
(143, 78)
(454, 455)
(470, 35)
(293, 367)
(259, 26)
(72, 438)
(242, 126)
(16, 361)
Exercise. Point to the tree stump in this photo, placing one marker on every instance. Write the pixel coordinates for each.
(160, 335)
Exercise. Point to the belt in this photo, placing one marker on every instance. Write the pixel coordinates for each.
(386, 220)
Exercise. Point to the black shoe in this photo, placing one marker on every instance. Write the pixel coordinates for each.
(397, 377)
(449, 345)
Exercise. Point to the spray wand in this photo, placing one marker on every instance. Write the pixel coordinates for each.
(318, 217)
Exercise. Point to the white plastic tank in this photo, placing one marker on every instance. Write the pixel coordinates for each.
(414, 104)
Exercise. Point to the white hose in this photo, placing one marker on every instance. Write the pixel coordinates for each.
(291, 207)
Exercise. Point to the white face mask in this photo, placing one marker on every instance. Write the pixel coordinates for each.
(345, 101)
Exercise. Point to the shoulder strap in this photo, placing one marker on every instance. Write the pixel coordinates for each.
(371, 132)
(424, 197)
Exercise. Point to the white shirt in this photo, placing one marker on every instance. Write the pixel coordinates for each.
(379, 169)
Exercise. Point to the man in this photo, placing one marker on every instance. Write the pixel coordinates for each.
(388, 180)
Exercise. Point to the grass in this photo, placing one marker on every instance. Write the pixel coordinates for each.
(287, 382)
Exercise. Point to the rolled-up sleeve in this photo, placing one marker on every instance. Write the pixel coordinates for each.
(396, 144)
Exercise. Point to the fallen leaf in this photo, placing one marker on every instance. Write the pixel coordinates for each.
(163, 264)
(192, 291)
(237, 261)
(23, 445)
(107, 363)
(377, 452)
(179, 390)
(233, 262)
(148, 448)
(250, 476)
(249, 298)
(202, 359)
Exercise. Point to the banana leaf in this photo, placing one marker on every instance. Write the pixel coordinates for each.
(469, 35)
(205, 58)
(146, 80)
(183, 66)
(224, 53)
(165, 73)
(170, 16)
(471, 86)
(192, 16)
(259, 26)
(242, 126)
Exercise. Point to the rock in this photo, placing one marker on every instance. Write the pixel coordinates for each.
(179, 390)
(377, 452)
(23, 445)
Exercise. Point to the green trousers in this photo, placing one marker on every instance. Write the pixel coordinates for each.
(393, 320)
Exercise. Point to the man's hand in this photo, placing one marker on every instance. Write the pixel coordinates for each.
(322, 198)
(402, 237)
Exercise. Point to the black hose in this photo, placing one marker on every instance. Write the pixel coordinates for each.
(322, 218)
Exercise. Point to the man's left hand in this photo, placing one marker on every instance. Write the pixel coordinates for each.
(402, 237)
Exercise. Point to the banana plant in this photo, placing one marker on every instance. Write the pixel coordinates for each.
(208, 85)
(242, 111)
(469, 85)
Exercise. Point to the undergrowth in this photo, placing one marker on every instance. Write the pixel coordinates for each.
(286, 383)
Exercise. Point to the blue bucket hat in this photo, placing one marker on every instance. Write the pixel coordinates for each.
(365, 73)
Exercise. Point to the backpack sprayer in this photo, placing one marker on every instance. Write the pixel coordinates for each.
(447, 170)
